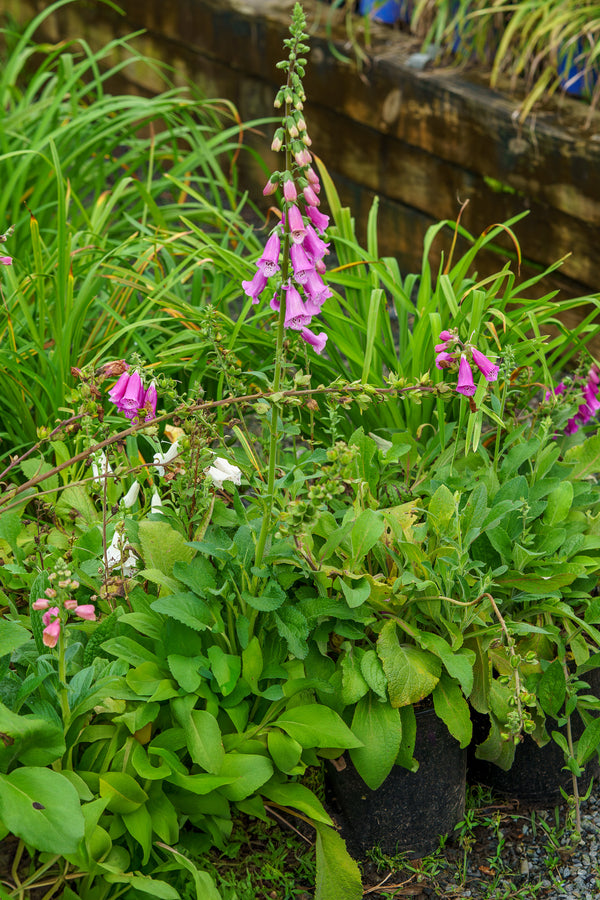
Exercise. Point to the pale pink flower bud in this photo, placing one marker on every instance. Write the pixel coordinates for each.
(40, 603)
(310, 196)
(70, 604)
(289, 190)
(269, 188)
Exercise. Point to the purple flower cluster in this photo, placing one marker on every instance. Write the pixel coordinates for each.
(451, 351)
(304, 292)
(591, 402)
(131, 398)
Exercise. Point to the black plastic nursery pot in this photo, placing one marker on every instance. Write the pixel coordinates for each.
(536, 775)
(411, 810)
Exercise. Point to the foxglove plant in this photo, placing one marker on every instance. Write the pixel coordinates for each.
(587, 410)
(451, 351)
(292, 262)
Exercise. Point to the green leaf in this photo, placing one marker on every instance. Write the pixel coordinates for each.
(271, 598)
(129, 650)
(552, 689)
(203, 738)
(162, 546)
(139, 825)
(372, 670)
(296, 796)
(198, 575)
(586, 457)
(284, 750)
(379, 728)
(442, 508)
(250, 772)
(123, 792)
(411, 673)
(42, 808)
(560, 501)
(186, 608)
(252, 664)
(588, 743)
(226, 667)
(452, 708)
(203, 883)
(185, 671)
(293, 627)
(316, 726)
(338, 875)
(459, 663)
(143, 883)
(12, 636)
(405, 756)
(354, 685)
(357, 591)
(30, 740)
(366, 531)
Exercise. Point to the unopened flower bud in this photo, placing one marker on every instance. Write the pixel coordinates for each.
(40, 603)
(70, 604)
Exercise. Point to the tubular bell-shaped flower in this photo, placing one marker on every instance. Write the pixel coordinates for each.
(269, 261)
(316, 341)
(296, 224)
(254, 288)
(487, 368)
(465, 384)
(296, 316)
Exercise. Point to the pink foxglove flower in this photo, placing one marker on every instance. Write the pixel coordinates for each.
(296, 316)
(310, 196)
(133, 396)
(301, 264)
(465, 384)
(317, 289)
(269, 188)
(447, 336)
(572, 426)
(86, 611)
(6, 261)
(296, 224)
(51, 620)
(318, 219)
(269, 261)
(118, 389)
(444, 360)
(485, 365)
(316, 341)
(313, 245)
(559, 389)
(254, 288)
(40, 603)
(289, 190)
(70, 604)
(150, 401)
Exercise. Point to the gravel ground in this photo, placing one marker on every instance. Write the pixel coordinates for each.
(503, 850)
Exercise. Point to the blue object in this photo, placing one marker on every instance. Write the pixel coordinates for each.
(389, 11)
(577, 77)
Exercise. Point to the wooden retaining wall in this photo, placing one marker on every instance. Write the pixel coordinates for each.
(423, 141)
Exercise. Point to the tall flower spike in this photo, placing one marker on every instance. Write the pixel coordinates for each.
(465, 384)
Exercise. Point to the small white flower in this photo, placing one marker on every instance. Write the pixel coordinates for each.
(100, 467)
(163, 459)
(222, 471)
(115, 556)
(131, 496)
(156, 503)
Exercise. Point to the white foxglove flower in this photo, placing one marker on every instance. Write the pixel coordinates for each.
(131, 496)
(156, 503)
(100, 467)
(163, 459)
(115, 558)
(222, 471)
